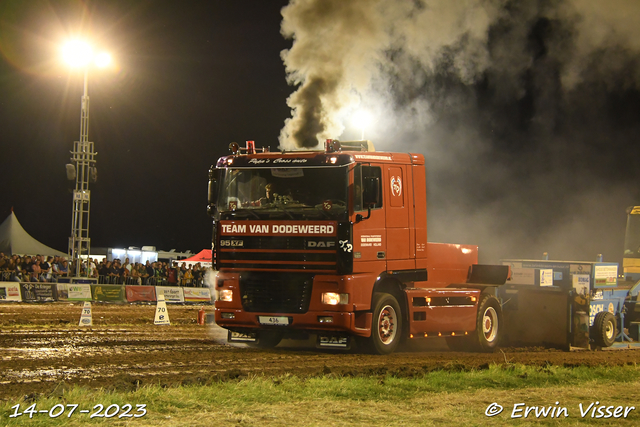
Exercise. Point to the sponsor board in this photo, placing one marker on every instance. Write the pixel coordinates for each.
(10, 292)
(523, 276)
(39, 292)
(108, 293)
(79, 292)
(581, 284)
(196, 294)
(170, 293)
(546, 277)
(140, 293)
(605, 275)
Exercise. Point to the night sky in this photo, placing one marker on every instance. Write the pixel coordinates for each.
(528, 113)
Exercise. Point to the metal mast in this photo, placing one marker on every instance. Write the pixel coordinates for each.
(83, 156)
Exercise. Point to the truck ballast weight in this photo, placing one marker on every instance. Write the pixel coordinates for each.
(333, 244)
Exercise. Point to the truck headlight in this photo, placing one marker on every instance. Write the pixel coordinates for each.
(225, 295)
(334, 298)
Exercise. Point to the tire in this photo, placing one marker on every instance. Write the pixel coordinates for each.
(386, 326)
(604, 329)
(267, 339)
(488, 333)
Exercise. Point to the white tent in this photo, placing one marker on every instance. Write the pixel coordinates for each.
(14, 240)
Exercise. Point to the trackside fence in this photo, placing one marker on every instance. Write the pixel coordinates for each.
(48, 292)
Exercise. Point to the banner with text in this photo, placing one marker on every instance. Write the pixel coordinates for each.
(140, 293)
(39, 292)
(197, 295)
(79, 292)
(111, 293)
(10, 291)
(171, 293)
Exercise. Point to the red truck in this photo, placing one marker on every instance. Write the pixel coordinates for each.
(334, 244)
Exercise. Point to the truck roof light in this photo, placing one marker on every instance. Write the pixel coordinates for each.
(234, 148)
(331, 146)
(251, 147)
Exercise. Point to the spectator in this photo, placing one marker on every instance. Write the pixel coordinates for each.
(172, 275)
(36, 271)
(187, 276)
(197, 275)
(64, 268)
(47, 273)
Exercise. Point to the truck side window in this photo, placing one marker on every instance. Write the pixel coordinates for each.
(360, 172)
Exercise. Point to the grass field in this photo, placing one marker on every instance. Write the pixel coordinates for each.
(438, 398)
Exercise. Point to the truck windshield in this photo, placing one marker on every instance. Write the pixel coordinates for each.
(294, 193)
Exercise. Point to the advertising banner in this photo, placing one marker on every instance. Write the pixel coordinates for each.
(10, 291)
(140, 293)
(581, 284)
(523, 276)
(63, 292)
(197, 295)
(171, 293)
(546, 277)
(605, 275)
(38, 292)
(79, 292)
(108, 293)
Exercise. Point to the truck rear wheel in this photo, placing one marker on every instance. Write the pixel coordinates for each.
(604, 329)
(386, 328)
(488, 325)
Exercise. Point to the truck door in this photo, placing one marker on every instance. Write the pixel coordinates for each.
(369, 235)
(396, 187)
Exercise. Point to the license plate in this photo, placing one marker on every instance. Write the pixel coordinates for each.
(241, 337)
(271, 320)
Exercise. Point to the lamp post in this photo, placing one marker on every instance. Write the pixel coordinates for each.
(83, 157)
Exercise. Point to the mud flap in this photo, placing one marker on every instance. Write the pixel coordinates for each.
(342, 342)
(241, 337)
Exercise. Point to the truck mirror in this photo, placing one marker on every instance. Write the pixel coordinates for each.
(212, 190)
(371, 191)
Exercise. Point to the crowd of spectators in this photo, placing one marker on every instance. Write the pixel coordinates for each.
(150, 273)
(28, 268)
(39, 268)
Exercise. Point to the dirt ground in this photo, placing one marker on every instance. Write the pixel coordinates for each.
(44, 351)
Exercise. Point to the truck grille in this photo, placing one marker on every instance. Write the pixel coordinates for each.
(269, 254)
(277, 293)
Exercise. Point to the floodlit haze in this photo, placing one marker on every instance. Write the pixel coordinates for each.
(527, 112)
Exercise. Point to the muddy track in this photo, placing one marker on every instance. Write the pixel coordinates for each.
(43, 352)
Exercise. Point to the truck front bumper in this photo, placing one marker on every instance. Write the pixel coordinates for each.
(290, 324)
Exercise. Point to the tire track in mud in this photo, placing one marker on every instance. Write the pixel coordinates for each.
(41, 356)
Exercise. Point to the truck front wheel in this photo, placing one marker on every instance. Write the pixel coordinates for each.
(386, 328)
(488, 325)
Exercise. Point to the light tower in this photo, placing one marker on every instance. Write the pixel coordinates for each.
(83, 157)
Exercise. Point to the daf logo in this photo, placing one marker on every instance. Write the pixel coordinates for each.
(337, 341)
(320, 244)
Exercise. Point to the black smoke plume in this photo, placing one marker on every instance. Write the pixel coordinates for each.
(528, 113)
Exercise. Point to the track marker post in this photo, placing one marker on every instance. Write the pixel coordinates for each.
(162, 315)
(86, 319)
